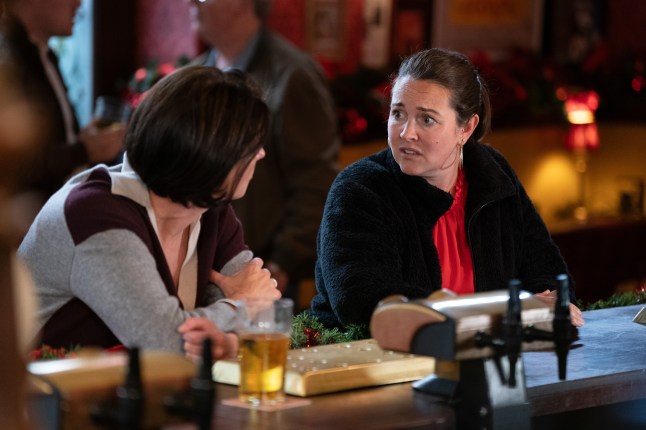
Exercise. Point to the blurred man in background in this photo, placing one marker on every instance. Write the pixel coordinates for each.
(26, 29)
(283, 206)
(19, 140)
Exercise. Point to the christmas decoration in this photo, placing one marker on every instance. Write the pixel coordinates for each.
(46, 352)
(145, 77)
(308, 331)
(619, 299)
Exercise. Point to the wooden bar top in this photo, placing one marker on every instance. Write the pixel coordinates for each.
(389, 407)
(606, 365)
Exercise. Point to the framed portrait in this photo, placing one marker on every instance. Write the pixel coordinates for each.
(493, 26)
(577, 30)
(411, 27)
(325, 28)
(376, 36)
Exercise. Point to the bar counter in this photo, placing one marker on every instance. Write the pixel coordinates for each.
(605, 388)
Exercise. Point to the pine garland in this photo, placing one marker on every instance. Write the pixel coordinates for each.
(46, 352)
(619, 299)
(308, 331)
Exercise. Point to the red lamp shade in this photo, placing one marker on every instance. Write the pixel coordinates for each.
(580, 109)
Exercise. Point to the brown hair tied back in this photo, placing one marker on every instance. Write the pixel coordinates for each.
(454, 71)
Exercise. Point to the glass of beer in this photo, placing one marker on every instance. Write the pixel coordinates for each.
(264, 332)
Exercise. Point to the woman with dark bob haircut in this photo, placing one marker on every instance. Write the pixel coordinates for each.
(437, 210)
(149, 253)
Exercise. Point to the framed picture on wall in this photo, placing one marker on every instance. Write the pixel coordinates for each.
(325, 28)
(376, 35)
(411, 27)
(577, 31)
(493, 26)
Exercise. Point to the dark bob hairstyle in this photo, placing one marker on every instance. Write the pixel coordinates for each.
(194, 127)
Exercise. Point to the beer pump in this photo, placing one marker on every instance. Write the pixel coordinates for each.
(123, 390)
(198, 404)
(477, 341)
(129, 400)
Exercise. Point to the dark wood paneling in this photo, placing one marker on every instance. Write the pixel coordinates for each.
(603, 253)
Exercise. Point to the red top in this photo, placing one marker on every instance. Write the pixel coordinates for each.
(450, 237)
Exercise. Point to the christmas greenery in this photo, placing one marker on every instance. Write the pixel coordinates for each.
(308, 331)
(620, 299)
(46, 352)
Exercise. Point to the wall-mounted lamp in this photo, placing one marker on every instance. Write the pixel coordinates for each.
(580, 109)
(582, 138)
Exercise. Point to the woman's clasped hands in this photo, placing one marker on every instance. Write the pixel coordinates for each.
(252, 281)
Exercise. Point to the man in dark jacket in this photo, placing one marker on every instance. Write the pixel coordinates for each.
(27, 26)
(282, 209)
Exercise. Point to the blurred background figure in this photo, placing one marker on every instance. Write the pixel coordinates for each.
(27, 27)
(283, 206)
(19, 139)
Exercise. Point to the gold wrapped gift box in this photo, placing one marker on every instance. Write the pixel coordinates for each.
(338, 367)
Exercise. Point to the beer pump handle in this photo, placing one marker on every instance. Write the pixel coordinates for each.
(130, 394)
(203, 388)
(513, 329)
(562, 326)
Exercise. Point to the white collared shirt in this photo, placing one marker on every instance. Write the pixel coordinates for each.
(128, 184)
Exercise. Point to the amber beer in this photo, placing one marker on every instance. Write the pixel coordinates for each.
(262, 367)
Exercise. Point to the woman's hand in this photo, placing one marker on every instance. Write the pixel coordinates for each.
(252, 281)
(576, 316)
(195, 330)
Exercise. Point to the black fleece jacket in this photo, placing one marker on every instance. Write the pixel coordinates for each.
(375, 238)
